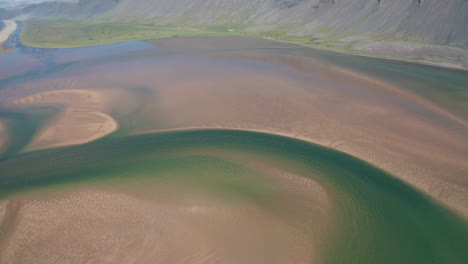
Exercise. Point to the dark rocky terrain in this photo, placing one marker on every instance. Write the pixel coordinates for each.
(435, 21)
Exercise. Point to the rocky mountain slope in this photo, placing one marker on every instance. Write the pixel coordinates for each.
(430, 21)
(435, 21)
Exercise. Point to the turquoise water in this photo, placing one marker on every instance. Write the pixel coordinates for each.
(377, 218)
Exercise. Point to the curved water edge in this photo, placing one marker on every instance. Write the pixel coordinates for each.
(443, 87)
(24, 125)
(14, 41)
(377, 218)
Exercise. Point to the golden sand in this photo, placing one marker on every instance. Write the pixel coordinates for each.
(82, 120)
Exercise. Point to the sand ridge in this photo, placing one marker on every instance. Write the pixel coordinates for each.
(82, 120)
(10, 27)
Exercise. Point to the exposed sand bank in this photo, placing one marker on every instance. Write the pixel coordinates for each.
(368, 205)
(371, 119)
(169, 224)
(342, 75)
(10, 27)
(82, 120)
(392, 129)
(402, 132)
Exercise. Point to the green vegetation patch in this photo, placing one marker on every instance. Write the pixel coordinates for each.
(67, 33)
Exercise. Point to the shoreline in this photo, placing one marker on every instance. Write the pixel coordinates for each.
(425, 61)
(454, 208)
(439, 62)
(442, 64)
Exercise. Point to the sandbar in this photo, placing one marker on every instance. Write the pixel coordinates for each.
(81, 121)
(10, 27)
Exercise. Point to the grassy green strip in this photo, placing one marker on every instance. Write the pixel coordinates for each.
(79, 33)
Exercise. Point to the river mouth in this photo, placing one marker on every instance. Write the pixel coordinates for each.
(199, 149)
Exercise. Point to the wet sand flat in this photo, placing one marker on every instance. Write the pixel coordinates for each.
(197, 207)
(396, 130)
(231, 195)
(172, 154)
